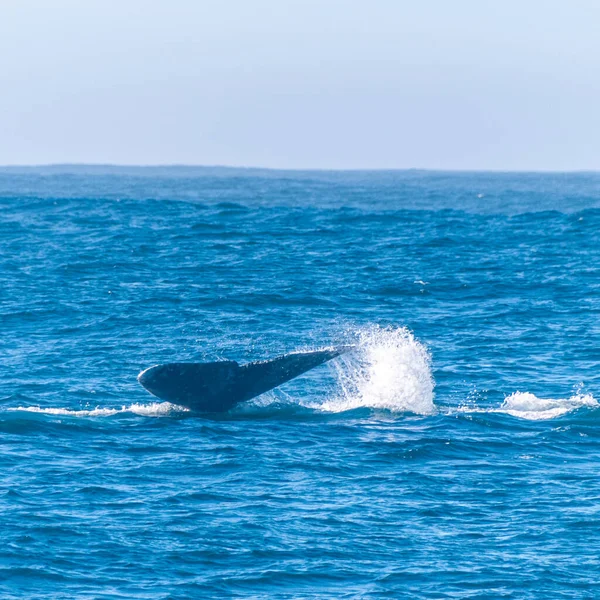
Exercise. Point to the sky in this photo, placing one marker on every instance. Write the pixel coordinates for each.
(328, 84)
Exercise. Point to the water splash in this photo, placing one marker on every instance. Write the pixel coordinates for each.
(389, 370)
(525, 405)
(155, 409)
(528, 406)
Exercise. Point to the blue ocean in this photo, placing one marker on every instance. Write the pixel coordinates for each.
(454, 454)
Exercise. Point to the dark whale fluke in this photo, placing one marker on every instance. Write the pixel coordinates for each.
(218, 386)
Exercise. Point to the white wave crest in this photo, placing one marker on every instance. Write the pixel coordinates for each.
(155, 409)
(525, 405)
(389, 370)
(528, 406)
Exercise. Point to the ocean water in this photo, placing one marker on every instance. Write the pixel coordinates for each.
(455, 454)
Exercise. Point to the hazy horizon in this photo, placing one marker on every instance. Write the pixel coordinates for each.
(125, 166)
(302, 85)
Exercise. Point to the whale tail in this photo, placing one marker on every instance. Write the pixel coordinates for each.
(219, 386)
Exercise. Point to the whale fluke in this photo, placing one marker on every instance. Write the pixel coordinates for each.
(219, 386)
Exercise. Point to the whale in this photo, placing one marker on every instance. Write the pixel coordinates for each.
(213, 387)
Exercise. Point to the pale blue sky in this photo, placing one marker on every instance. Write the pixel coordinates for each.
(450, 84)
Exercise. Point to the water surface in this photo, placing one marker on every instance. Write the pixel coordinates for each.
(455, 455)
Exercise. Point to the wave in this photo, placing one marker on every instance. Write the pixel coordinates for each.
(525, 405)
(155, 409)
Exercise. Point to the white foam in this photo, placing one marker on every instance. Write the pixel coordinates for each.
(525, 405)
(389, 370)
(528, 406)
(155, 409)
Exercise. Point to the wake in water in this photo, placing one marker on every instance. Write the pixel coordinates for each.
(525, 405)
(155, 409)
(389, 370)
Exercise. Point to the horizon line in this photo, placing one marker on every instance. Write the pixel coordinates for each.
(59, 165)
